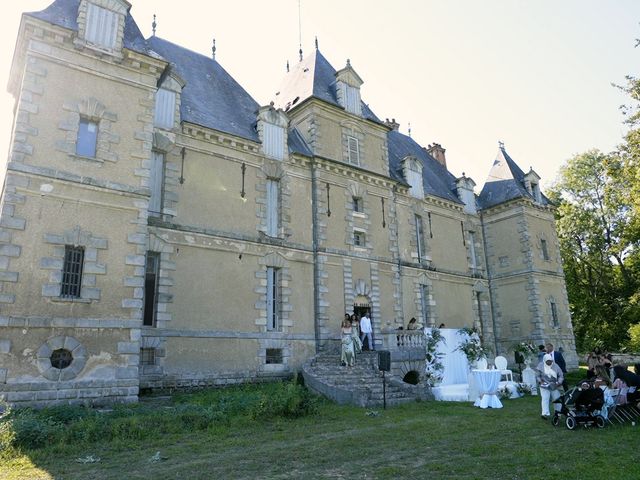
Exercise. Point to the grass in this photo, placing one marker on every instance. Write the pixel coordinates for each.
(435, 440)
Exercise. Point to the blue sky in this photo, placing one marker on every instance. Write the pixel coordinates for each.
(464, 73)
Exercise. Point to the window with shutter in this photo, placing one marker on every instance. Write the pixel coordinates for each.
(164, 115)
(156, 180)
(273, 207)
(273, 141)
(352, 99)
(102, 26)
(472, 250)
(354, 150)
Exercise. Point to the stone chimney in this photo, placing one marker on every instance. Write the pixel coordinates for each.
(437, 152)
(393, 125)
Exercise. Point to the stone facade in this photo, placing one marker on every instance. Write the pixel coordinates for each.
(205, 291)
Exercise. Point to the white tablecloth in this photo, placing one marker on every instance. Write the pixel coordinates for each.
(487, 382)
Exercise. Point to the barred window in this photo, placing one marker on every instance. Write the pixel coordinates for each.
(274, 299)
(274, 355)
(72, 272)
(147, 356)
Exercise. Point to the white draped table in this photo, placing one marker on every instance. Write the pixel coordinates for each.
(487, 382)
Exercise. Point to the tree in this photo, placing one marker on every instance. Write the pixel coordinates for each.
(594, 227)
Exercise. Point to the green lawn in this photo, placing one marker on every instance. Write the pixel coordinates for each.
(418, 440)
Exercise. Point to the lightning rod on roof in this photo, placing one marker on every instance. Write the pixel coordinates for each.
(213, 50)
(409, 128)
(300, 29)
(154, 25)
(500, 144)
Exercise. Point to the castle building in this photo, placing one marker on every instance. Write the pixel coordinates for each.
(160, 228)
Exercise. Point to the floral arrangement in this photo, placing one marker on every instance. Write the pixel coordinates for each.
(527, 349)
(434, 369)
(524, 389)
(472, 346)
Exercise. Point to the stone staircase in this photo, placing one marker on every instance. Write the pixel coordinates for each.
(359, 385)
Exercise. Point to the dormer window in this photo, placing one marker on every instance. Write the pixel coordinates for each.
(272, 130)
(532, 184)
(273, 141)
(101, 26)
(413, 175)
(164, 115)
(348, 84)
(535, 191)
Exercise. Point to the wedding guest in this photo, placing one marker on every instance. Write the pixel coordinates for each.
(355, 333)
(348, 353)
(541, 353)
(550, 378)
(593, 359)
(366, 331)
(558, 359)
(413, 324)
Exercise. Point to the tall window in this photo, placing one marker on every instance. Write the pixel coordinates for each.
(156, 181)
(354, 150)
(480, 318)
(101, 26)
(164, 114)
(545, 251)
(72, 272)
(419, 237)
(472, 250)
(273, 207)
(358, 205)
(152, 270)
(359, 238)
(87, 138)
(273, 141)
(274, 303)
(424, 301)
(554, 313)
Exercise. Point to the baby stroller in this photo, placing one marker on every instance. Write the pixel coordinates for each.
(580, 406)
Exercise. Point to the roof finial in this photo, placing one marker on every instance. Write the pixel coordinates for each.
(213, 49)
(501, 144)
(348, 62)
(300, 52)
(154, 25)
(409, 128)
(287, 66)
(316, 42)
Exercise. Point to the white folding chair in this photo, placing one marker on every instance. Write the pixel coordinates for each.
(501, 364)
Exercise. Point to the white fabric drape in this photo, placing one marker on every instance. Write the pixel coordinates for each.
(454, 361)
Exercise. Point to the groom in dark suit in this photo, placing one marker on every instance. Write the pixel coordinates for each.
(558, 359)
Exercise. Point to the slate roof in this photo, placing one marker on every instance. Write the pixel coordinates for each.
(436, 179)
(64, 13)
(312, 77)
(505, 182)
(211, 97)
